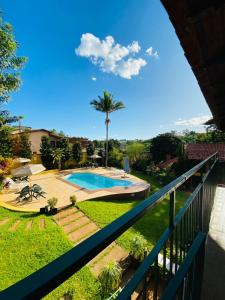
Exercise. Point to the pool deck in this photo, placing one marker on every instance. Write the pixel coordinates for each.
(54, 186)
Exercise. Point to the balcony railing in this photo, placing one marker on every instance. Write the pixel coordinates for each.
(175, 245)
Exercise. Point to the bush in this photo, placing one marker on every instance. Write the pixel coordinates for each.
(141, 164)
(52, 202)
(73, 200)
(139, 248)
(110, 278)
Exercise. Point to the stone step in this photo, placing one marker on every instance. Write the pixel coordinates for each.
(83, 232)
(42, 223)
(3, 222)
(102, 254)
(29, 225)
(70, 218)
(14, 225)
(64, 213)
(116, 254)
(75, 224)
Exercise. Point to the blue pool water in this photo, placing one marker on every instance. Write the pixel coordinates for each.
(93, 181)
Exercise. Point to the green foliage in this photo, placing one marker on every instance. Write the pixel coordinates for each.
(110, 278)
(139, 247)
(57, 155)
(73, 199)
(5, 165)
(211, 136)
(77, 152)
(5, 141)
(90, 149)
(115, 158)
(10, 64)
(66, 149)
(141, 164)
(46, 152)
(24, 146)
(52, 202)
(135, 151)
(166, 144)
(32, 249)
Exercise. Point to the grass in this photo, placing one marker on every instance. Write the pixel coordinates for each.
(151, 226)
(25, 251)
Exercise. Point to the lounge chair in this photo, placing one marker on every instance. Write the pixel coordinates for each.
(24, 194)
(37, 191)
(21, 178)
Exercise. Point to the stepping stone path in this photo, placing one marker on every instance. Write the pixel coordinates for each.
(14, 225)
(3, 222)
(29, 225)
(42, 224)
(77, 226)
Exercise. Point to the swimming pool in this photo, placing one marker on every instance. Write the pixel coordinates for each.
(93, 181)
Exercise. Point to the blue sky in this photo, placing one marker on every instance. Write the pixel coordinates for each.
(158, 88)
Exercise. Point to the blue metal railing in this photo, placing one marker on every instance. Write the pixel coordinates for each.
(40, 283)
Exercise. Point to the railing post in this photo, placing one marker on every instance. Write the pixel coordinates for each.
(172, 209)
(201, 203)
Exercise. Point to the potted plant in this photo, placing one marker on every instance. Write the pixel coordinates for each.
(139, 249)
(52, 204)
(110, 278)
(73, 200)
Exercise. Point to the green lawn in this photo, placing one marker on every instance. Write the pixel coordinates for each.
(150, 226)
(25, 251)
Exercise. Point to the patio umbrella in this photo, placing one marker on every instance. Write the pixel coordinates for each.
(21, 160)
(95, 156)
(28, 170)
(126, 166)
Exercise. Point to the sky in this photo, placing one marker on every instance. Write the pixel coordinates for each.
(77, 49)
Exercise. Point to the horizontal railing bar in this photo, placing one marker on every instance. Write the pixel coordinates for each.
(175, 283)
(149, 260)
(46, 279)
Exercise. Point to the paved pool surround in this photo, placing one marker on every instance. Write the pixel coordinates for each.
(55, 185)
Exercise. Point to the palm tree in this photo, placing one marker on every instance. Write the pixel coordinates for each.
(20, 118)
(57, 155)
(107, 105)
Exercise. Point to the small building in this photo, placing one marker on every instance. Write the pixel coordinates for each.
(35, 136)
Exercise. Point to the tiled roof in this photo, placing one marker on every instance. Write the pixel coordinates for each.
(202, 151)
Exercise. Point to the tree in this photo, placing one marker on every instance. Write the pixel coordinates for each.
(77, 152)
(5, 141)
(115, 158)
(166, 144)
(20, 118)
(57, 155)
(46, 152)
(65, 146)
(135, 151)
(10, 64)
(90, 149)
(107, 105)
(24, 146)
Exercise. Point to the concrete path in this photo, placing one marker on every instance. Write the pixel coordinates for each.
(77, 226)
(214, 272)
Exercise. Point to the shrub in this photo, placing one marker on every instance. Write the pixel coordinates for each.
(110, 278)
(73, 200)
(139, 248)
(52, 202)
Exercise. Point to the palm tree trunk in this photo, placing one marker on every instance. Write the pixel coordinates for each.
(107, 140)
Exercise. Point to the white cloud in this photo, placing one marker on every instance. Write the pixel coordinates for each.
(196, 121)
(152, 52)
(111, 57)
(93, 78)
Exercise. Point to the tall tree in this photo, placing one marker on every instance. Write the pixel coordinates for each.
(10, 64)
(24, 146)
(166, 144)
(46, 152)
(77, 152)
(63, 144)
(107, 105)
(5, 141)
(90, 149)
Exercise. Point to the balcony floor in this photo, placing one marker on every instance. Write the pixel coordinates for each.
(214, 272)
